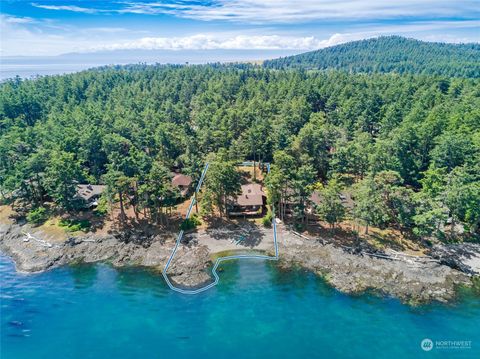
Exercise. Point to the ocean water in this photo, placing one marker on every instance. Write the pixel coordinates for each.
(32, 66)
(256, 311)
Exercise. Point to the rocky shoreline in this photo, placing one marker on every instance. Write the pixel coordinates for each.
(412, 281)
(36, 254)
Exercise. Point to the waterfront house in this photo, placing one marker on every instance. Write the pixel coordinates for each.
(250, 202)
(315, 200)
(182, 182)
(312, 202)
(90, 193)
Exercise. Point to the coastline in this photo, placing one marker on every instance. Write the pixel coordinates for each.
(411, 281)
(351, 272)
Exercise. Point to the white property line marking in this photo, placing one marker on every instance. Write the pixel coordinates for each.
(221, 259)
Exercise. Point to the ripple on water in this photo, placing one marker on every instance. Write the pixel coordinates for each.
(256, 310)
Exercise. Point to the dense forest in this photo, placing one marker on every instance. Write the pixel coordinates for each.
(390, 54)
(407, 147)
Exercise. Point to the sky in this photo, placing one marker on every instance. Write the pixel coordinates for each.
(46, 27)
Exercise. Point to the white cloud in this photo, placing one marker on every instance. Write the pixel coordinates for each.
(268, 11)
(17, 20)
(234, 41)
(287, 11)
(27, 38)
(219, 41)
(31, 37)
(73, 8)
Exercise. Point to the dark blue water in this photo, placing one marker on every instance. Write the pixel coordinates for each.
(256, 311)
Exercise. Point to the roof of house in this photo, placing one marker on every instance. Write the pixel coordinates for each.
(249, 200)
(291, 198)
(253, 189)
(87, 191)
(181, 180)
(345, 197)
(252, 195)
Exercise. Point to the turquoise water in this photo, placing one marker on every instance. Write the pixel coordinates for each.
(256, 311)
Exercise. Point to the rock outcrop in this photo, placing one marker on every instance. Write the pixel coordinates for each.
(411, 280)
(34, 254)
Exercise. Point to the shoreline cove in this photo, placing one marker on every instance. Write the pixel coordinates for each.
(85, 303)
(219, 259)
(349, 273)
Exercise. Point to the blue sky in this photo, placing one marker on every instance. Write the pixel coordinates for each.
(44, 27)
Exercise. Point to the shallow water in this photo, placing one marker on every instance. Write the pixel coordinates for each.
(255, 311)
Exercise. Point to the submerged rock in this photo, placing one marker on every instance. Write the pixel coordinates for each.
(408, 280)
(186, 268)
(34, 255)
(350, 271)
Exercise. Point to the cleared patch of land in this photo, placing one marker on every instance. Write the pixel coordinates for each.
(241, 237)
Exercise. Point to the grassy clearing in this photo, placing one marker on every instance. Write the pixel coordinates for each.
(74, 225)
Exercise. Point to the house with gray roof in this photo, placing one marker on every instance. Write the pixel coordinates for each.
(250, 202)
(90, 193)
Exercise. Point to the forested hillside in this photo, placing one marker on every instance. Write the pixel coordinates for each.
(390, 54)
(407, 146)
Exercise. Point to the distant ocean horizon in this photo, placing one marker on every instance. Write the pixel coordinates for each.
(31, 66)
(26, 71)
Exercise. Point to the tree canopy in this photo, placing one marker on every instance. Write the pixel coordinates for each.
(407, 140)
(390, 54)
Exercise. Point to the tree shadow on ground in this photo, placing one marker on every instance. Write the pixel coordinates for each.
(252, 238)
(242, 232)
(142, 231)
(345, 235)
(340, 235)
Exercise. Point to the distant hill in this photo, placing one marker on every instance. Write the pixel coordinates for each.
(390, 54)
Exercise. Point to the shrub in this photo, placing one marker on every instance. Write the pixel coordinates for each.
(190, 223)
(102, 208)
(267, 219)
(37, 215)
(299, 227)
(72, 225)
